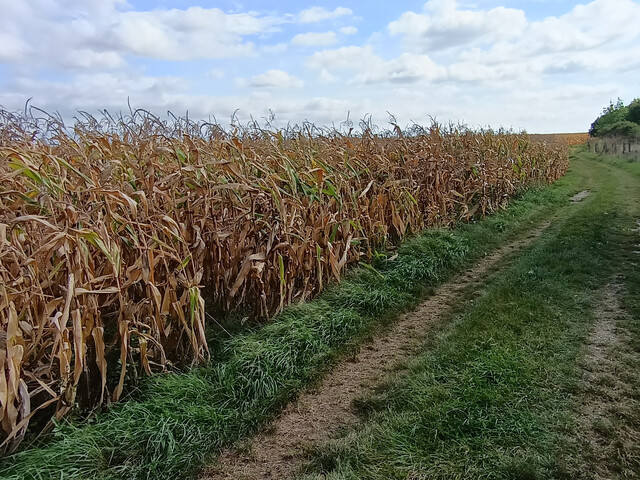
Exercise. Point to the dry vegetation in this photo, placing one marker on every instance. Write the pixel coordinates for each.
(571, 139)
(113, 233)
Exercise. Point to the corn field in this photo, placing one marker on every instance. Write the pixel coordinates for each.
(570, 139)
(115, 234)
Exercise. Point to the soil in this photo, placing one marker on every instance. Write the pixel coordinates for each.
(281, 449)
(578, 197)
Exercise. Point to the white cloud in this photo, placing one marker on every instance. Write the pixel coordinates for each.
(500, 45)
(482, 74)
(326, 77)
(188, 34)
(599, 23)
(443, 25)
(12, 48)
(216, 73)
(88, 59)
(319, 14)
(87, 34)
(93, 91)
(451, 60)
(569, 44)
(276, 79)
(349, 30)
(329, 107)
(407, 68)
(370, 68)
(313, 39)
(278, 48)
(344, 58)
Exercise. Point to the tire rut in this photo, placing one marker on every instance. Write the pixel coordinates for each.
(608, 439)
(280, 449)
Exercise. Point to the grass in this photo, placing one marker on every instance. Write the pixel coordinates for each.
(176, 421)
(493, 396)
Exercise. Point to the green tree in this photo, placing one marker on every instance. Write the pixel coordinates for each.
(618, 120)
(634, 111)
(611, 115)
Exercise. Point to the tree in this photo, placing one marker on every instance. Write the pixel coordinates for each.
(634, 111)
(618, 120)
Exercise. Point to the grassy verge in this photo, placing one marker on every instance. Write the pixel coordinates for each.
(177, 421)
(492, 397)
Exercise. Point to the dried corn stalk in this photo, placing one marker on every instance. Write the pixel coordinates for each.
(112, 235)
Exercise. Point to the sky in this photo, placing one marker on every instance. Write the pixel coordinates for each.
(539, 65)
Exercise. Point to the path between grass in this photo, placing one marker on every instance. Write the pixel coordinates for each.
(609, 445)
(279, 451)
(605, 436)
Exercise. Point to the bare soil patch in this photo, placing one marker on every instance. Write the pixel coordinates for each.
(280, 450)
(578, 197)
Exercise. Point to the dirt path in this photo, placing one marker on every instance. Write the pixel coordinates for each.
(279, 451)
(610, 443)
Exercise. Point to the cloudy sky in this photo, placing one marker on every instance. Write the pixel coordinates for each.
(539, 65)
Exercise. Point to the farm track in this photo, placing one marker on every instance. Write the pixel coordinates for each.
(280, 450)
(607, 426)
(608, 394)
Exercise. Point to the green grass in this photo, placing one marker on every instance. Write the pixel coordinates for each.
(493, 396)
(176, 422)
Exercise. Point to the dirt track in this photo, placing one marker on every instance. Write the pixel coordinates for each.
(608, 393)
(280, 450)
